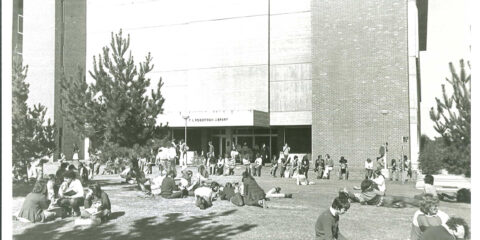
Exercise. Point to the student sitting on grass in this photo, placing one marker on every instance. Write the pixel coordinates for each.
(253, 193)
(379, 179)
(371, 195)
(169, 188)
(427, 216)
(428, 187)
(326, 227)
(71, 193)
(35, 205)
(205, 195)
(302, 178)
(97, 203)
(201, 178)
(156, 183)
(453, 229)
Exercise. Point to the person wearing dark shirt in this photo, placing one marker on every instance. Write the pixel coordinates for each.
(169, 188)
(326, 227)
(254, 195)
(35, 205)
(343, 168)
(305, 165)
(454, 229)
(97, 203)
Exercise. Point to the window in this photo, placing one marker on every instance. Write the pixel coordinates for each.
(20, 24)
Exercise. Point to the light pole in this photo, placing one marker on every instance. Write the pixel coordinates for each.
(186, 117)
(385, 144)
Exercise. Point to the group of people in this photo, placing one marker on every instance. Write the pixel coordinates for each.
(205, 191)
(62, 195)
(428, 223)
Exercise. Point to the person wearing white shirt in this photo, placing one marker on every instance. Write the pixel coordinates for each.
(203, 197)
(379, 179)
(258, 165)
(71, 193)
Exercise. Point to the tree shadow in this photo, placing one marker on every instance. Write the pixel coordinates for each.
(173, 226)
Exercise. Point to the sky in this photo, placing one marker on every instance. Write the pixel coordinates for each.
(448, 40)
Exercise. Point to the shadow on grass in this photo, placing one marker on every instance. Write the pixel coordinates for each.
(174, 226)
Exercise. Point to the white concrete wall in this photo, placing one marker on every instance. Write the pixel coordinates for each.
(39, 51)
(211, 55)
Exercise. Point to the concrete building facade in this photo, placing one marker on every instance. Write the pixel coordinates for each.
(315, 74)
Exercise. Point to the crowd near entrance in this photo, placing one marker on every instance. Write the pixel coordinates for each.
(223, 138)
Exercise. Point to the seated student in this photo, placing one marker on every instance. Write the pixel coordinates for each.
(237, 198)
(186, 185)
(273, 170)
(305, 166)
(128, 174)
(427, 216)
(71, 193)
(156, 183)
(379, 179)
(319, 166)
(302, 178)
(201, 178)
(168, 188)
(35, 205)
(204, 197)
(253, 193)
(326, 227)
(428, 187)
(59, 174)
(219, 166)
(83, 173)
(97, 203)
(370, 195)
(227, 192)
(454, 228)
(51, 188)
(343, 168)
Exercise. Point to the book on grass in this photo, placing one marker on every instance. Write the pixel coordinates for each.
(69, 193)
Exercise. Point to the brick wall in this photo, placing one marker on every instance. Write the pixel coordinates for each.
(359, 67)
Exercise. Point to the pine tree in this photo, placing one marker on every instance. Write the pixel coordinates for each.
(116, 108)
(32, 137)
(453, 121)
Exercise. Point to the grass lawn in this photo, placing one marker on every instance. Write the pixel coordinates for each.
(158, 218)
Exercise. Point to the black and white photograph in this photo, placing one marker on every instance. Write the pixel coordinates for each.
(237, 119)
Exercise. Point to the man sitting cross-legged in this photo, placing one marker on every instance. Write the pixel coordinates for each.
(169, 188)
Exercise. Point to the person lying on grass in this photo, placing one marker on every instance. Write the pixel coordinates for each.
(35, 205)
(427, 216)
(453, 229)
(371, 195)
(97, 203)
(462, 195)
(326, 227)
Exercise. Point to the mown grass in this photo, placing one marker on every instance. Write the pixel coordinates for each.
(158, 218)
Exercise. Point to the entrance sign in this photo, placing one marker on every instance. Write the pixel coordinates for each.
(216, 118)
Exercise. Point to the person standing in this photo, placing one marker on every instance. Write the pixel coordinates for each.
(305, 165)
(393, 169)
(183, 153)
(275, 162)
(258, 165)
(286, 151)
(75, 151)
(368, 168)
(264, 153)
